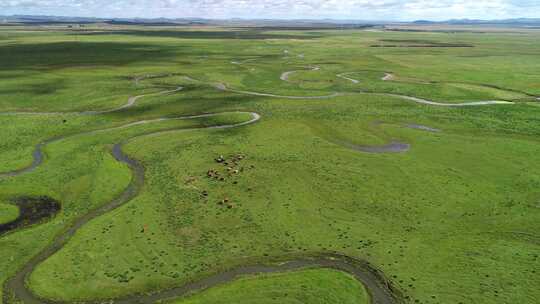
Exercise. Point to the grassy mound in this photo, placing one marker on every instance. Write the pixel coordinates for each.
(307, 287)
(8, 212)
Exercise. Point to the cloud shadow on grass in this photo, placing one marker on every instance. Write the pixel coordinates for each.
(50, 56)
(232, 34)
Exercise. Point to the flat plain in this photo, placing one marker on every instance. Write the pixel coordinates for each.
(274, 166)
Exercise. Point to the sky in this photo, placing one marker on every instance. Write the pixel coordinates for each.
(390, 10)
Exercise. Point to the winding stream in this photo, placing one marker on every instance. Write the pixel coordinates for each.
(131, 102)
(38, 154)
(373, 280)
(378, 287)
(244, 61)
(344, 76)
(224, 87)
(423, 128)
(443, 104)
(285, 75)
(17, 284)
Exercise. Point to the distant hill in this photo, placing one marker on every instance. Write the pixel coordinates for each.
(506, 22)
(267, 23)
(237, 22)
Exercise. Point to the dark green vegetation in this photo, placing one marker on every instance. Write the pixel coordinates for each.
(452, 220)
(308, 286)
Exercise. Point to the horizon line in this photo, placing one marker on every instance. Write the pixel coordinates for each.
(274, 18)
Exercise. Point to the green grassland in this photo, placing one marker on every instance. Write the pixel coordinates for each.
(8, 212)
(308, 286)
(452, 220)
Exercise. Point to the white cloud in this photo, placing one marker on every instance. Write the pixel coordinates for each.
(350, 9)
